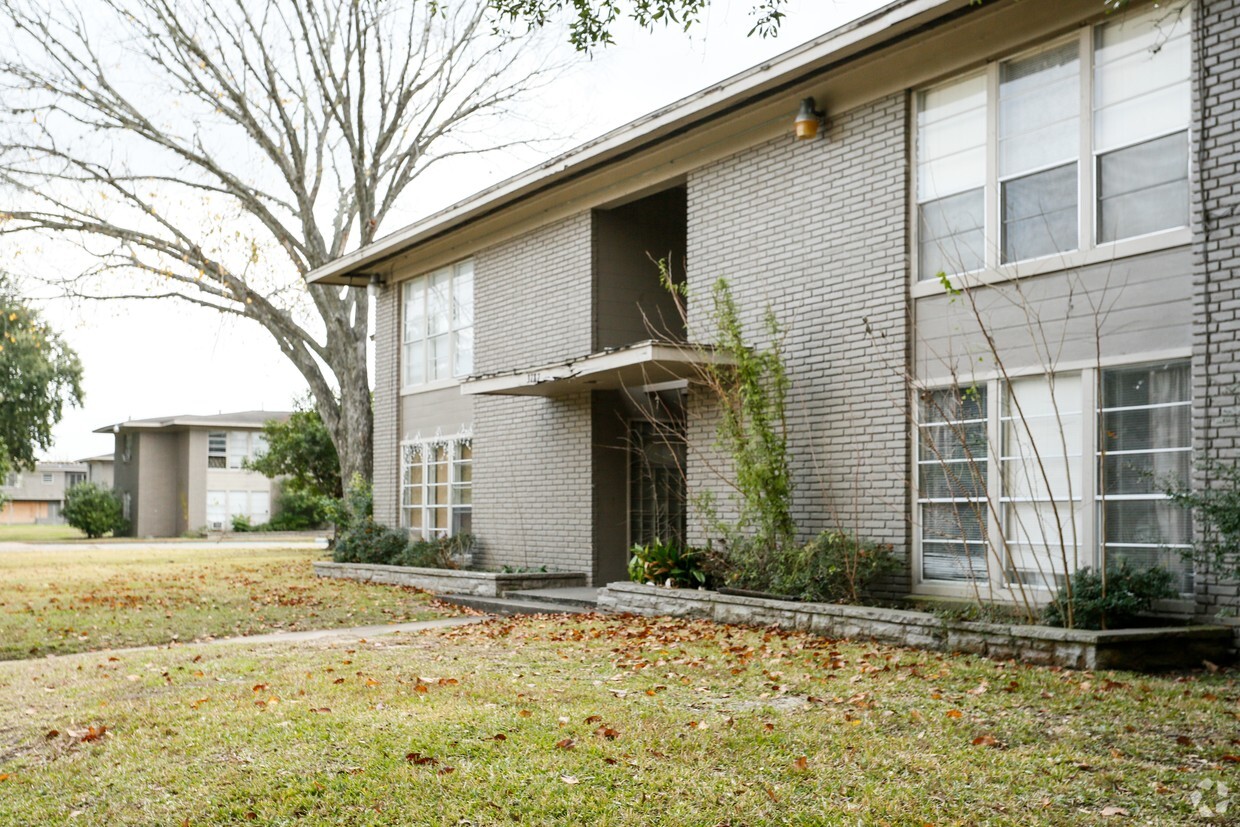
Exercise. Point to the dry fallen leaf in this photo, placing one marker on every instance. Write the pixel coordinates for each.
(801, 764)
(418, 759)
(567, 743)
(954, 713)
(1107, 812)
(569, 779)
(985, 741)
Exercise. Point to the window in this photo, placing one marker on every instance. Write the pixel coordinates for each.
(217, 449)
(657, 490)
(223, 506)
(1068, 493)
(231, 449)
(953, 470)
(1018, 195)
(438, 330)
(1043, 518)
(126, 506)
(47, 479)
(1145, 441)
(73, 478)
(437, 487)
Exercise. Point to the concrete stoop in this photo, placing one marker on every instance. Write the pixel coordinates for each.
(567, 601)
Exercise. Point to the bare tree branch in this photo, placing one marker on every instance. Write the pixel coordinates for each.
(225, 149)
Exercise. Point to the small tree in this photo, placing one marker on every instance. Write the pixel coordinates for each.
(93, 509)
(301, 449)
(39, 374)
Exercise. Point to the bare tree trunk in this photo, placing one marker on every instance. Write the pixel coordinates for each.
(225, 149)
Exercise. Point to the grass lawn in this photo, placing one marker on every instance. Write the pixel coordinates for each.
(604, 722)
(56, 602)
(39, 533)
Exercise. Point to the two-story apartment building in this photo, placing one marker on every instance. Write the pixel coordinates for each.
(37, 495)
(178, 474)
(1004, 270)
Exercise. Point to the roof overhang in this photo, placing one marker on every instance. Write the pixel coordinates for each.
(640, 365)
(781, 75)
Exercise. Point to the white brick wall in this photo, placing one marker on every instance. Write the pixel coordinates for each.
(817, 231)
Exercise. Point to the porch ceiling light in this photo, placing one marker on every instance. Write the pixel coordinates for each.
(372, 287)
(808, 121)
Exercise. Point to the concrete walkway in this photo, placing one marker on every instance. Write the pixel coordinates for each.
(165, 545)
(347, 634)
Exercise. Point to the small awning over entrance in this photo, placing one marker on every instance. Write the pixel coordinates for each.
(644, 363)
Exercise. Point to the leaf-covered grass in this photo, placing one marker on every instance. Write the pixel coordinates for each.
(56, 602)
(39, 533)
(622, 721)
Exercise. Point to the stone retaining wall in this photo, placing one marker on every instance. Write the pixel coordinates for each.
(1172, 647)
(451, 581)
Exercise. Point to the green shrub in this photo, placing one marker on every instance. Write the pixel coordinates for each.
(366, 541)
(833, 567)
(442, 553)
(1216, 515)
(668, 564)
(299, 510)
(1127, 593)
(93, 509)
(241, 523)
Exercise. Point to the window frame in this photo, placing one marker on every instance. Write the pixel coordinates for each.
(455, 271)
(1089, 500)
(420, 452)
(1089, 249)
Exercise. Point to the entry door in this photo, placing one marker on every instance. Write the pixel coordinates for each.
(657, 490)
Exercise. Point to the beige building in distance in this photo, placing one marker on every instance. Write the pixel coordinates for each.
(178, 474)
(38, 495)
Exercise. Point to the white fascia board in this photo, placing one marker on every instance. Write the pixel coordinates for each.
(876, 27)
(527, 381)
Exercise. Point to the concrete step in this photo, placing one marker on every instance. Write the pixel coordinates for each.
(582, 597)
(509, 606)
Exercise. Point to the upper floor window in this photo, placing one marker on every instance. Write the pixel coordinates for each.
(438, 331)
(230, 449)
(1080, 143)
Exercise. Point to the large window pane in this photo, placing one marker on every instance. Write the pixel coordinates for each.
(1141, 76)
(1039, 214)
(437, 488)
(1143, 188)
(1145, 447)
(437, 330)
(951, 234)
(1039, 110)
(951, 138)
(1043, 520)
(952, 472)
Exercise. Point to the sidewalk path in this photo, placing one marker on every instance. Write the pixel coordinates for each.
(346, 634)
(165, 545)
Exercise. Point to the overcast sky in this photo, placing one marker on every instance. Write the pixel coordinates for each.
(153, 358)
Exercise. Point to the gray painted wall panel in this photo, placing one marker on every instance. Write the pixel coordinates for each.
(443, 411)
(1126, 308)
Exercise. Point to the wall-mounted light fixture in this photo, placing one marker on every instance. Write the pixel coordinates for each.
(809, 120)
(372, 286)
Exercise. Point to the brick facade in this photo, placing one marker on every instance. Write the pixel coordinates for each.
(532, 474)
(387, 407)
(817, 232)
(1216, 257)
